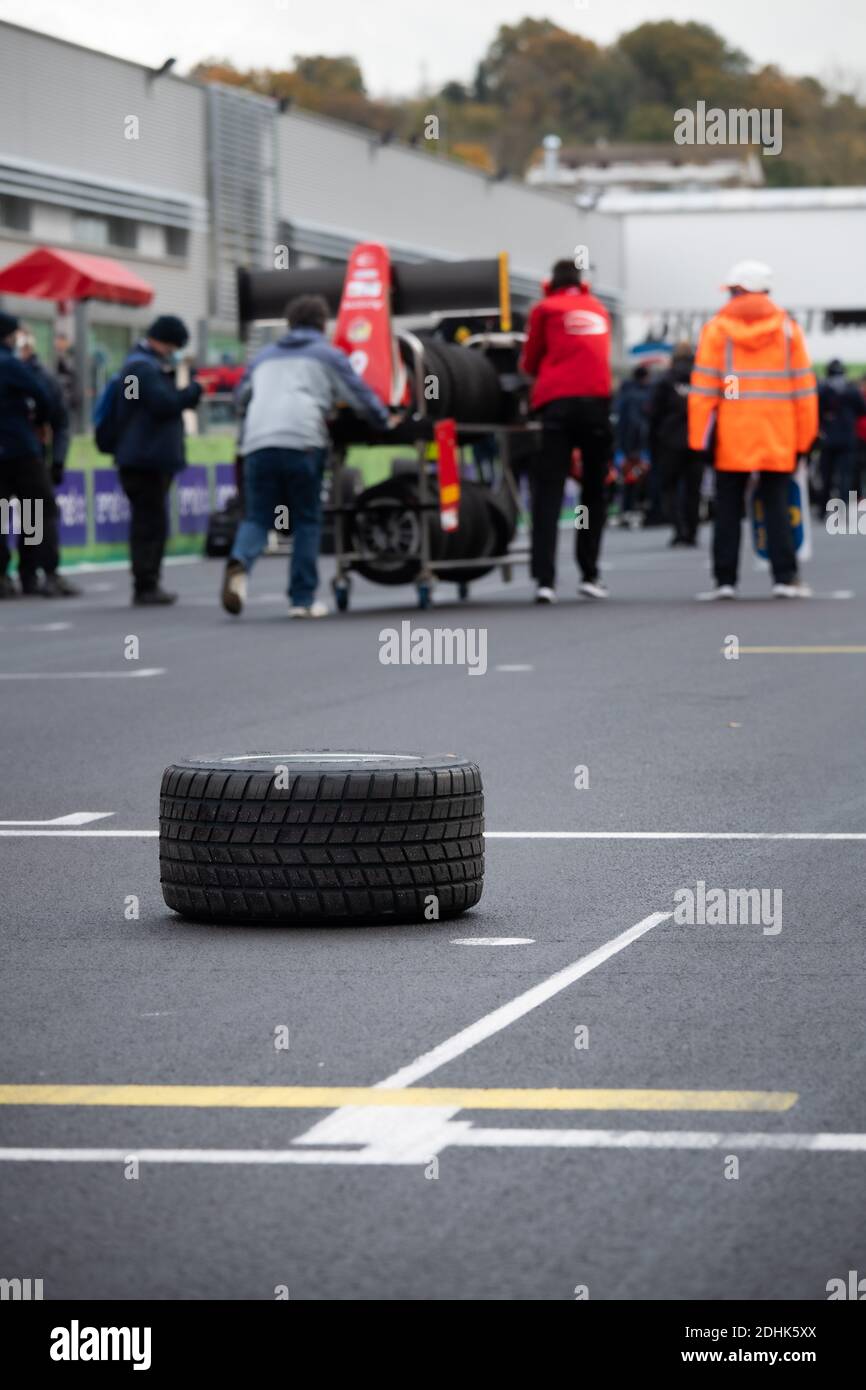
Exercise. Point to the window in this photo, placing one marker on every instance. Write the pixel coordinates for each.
(176, 241)
(14, 213)
(122, 232)
(90, 229)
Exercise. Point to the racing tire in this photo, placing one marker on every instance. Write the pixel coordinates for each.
(385, 529)
(322, 838)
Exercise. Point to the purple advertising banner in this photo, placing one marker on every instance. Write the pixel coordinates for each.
(226, 486)
(72, 502)
(110, 507)
(193, 499)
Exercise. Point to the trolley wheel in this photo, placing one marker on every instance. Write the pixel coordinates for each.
(425, 595)
(342, 592)
(463, 589)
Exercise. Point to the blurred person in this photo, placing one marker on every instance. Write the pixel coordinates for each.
(840, 406)
(64, 368)
(631, 440)
(53, 435)
(861, 443)
(289, 391)
(753, 402)
(151, 447)
(23, 471)
(682, 468)
(567, 352)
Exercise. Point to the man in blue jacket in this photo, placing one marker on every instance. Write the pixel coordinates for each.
(292, 387)
(150, 448)
(23, 472)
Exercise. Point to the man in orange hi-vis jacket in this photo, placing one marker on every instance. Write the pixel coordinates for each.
(753, 404)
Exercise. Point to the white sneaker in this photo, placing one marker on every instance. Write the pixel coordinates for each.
(796, 590)
(234, 591)
(723, 591)
(544, 595)
(593, 588)
(315, 610)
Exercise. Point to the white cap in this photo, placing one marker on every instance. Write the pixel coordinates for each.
(754, 276)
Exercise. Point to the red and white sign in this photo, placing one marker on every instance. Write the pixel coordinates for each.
(445, 437)
(363, 327)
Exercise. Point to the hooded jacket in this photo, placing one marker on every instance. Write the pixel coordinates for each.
(293, 385)
(567, 348)
(753, 387)
(669, 407)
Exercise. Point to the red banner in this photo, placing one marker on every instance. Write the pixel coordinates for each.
(363, 327)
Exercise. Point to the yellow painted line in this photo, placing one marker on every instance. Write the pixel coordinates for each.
(331, 1097)
(804, 651)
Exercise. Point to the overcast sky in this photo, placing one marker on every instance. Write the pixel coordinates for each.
(399, 43)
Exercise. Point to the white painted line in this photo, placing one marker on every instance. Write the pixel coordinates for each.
(81, 675)
(461, 1136)
(35, 627)
(517, 1008)
(673, 835)
(489, 940)
(655, 1139)
(514, 668)
(74, 818)
(831, 835)
(234, 1156)
(419, 1132)
(78, 834)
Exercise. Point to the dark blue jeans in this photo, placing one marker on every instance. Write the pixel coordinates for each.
(284, 478)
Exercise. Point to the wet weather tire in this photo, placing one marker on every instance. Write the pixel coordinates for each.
(337, 838)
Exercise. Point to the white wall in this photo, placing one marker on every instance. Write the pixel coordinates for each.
(678, 260)
(675, 259)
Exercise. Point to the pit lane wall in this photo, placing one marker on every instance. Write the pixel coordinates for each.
(94, 512)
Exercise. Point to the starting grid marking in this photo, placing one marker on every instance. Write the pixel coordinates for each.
(390, 1124)
(631, 1140)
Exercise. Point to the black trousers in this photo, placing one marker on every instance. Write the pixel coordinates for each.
(29, 479)
(682, 471)
(838, 465)
(730, 499)
(574, 422)
(147, 490)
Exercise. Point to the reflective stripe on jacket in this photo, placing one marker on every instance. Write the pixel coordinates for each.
(753, 386)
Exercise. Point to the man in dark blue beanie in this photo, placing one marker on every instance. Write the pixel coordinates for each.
(150, 448)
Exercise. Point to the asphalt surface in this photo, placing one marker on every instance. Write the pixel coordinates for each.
(675, 737)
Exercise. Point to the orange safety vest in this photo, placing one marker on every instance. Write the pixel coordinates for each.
(753, 386)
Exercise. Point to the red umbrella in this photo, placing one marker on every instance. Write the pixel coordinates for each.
(49, 273)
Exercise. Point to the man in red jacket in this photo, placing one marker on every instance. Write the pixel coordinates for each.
(567, 351)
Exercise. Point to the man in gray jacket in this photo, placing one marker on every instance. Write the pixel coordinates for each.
(292, 387)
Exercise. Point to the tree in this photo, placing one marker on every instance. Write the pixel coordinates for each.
(335, 74)
(674, 62)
